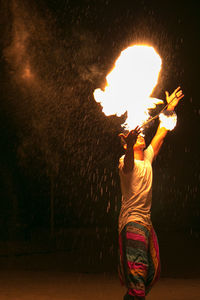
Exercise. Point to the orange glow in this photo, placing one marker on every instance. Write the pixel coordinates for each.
(27, 73)
(130, 84)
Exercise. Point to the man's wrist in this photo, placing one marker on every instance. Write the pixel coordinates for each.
(170, 108)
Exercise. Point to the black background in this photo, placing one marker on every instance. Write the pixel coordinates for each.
(59, 153)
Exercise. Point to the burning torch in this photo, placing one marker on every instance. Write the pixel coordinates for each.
(129, 86)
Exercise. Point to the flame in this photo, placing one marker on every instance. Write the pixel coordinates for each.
(130, 84)
(168, 120)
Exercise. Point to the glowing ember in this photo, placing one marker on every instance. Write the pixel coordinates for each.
(130, 84)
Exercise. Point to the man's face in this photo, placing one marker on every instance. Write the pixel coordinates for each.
(140, 143)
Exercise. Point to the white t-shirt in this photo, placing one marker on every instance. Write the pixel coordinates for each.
(136, 188)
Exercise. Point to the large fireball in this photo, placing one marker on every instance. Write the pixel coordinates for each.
(130, 84)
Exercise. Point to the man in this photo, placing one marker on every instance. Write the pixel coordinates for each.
(139, 266)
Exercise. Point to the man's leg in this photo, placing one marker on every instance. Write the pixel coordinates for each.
(134, 259)
(129, 297)
(154, 261)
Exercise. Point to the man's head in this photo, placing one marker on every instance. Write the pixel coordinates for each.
(140, 143)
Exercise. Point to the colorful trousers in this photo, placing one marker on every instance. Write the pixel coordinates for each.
(139, 262)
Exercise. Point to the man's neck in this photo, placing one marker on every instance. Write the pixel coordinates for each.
(139, 154)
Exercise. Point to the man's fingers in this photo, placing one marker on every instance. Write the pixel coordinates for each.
(122, 135)
(180, 97)
(176, 90)
(133, 132)
(137, 129)
(178, 94)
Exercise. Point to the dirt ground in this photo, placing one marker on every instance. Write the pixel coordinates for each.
(89, 272)
(43, 285)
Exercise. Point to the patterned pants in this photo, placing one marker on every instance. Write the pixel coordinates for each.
(139, 265)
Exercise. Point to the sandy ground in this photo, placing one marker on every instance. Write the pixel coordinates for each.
(42, 285)
(88, 273)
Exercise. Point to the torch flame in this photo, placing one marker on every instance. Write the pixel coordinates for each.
(130, 84)
(168, 120)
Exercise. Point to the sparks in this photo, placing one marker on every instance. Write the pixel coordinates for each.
(130, 85)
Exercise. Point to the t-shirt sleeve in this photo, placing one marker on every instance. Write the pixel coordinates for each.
(149, 153)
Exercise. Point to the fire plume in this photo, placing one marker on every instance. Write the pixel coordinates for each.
(130, 84)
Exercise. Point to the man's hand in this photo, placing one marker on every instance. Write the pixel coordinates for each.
(131, 138)
(174, 98)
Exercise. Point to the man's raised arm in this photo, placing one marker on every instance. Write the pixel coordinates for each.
(161, 132)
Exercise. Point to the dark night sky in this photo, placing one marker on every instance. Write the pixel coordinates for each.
(56, 144)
